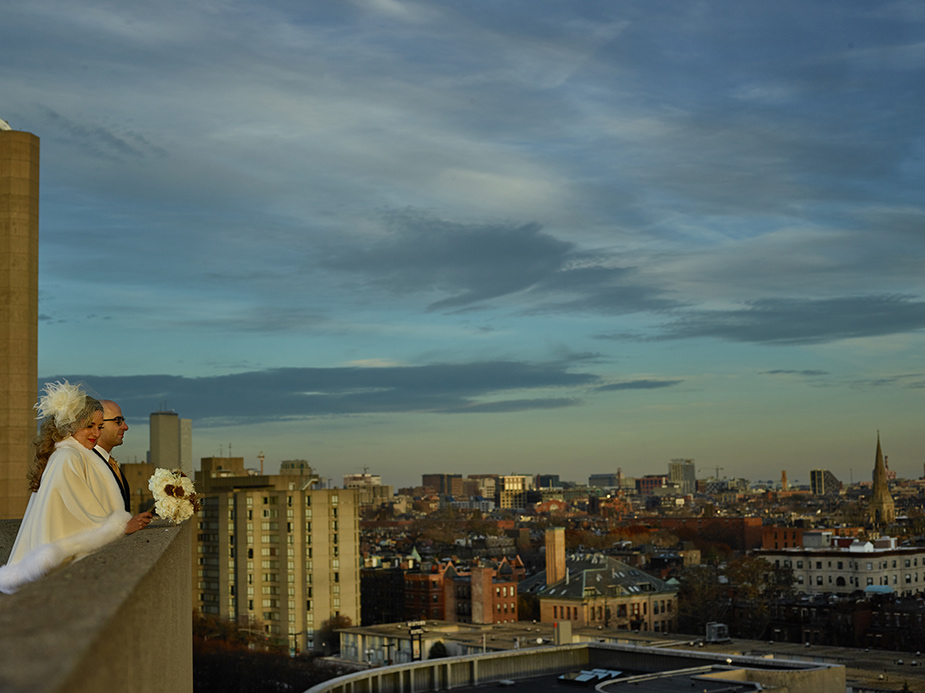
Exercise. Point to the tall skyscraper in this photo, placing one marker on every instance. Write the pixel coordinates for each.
(19, 310)
(684, 473)
(171, 441)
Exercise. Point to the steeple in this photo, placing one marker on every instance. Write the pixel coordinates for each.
(880, 510)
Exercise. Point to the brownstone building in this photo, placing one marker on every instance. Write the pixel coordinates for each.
(487, 594)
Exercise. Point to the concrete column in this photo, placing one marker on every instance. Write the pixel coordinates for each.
(19, 310)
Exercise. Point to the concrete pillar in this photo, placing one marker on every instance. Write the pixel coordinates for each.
(19, 310)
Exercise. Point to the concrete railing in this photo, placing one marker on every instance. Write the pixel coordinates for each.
(471, 671)
(117, 620)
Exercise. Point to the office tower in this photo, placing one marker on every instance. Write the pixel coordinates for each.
(683, 472)
(880, 510)
(511, 490)
(171, 441)
(273, 550)
(19, 309)
(444, 484)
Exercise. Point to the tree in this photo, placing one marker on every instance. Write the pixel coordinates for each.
(327, 641)
(229, 657)
(437, 650)
(701, 598)
(755, 583)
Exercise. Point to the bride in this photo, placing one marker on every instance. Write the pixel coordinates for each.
(76, 506)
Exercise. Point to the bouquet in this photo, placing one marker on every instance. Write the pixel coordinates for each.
(175, 499)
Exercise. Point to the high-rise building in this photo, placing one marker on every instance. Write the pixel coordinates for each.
(274, 550)
(511, 491)
(881, 510)
(684, 473)
(370, 491)
(19, 301)
(444, 484)
(822, 482)
(171, 441)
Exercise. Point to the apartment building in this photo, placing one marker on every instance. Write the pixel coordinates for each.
(274, 552)
(827, 563)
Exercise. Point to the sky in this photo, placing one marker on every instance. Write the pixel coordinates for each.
(468, 236)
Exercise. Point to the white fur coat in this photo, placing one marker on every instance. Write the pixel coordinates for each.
(77, 510)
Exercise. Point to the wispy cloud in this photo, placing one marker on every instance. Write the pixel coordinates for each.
(294, 393)
(641, 384)
(794, 321)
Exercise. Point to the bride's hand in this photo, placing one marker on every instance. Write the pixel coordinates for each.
(140, 521)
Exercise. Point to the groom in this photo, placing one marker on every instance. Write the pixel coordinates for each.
(114, 428)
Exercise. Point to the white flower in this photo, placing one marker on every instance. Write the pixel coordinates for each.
(174, 494)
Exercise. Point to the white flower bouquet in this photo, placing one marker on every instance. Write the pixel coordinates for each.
(175, 498)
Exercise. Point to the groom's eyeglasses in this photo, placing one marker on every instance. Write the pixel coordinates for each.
(119, 420)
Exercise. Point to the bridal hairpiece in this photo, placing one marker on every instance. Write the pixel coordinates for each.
(62, 401)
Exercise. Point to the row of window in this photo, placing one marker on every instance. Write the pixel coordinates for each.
(852, 565)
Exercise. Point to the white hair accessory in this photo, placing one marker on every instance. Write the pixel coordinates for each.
(62, 401)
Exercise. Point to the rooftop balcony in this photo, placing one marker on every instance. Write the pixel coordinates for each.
(117, 620)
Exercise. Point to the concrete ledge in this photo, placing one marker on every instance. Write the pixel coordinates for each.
(117, 620)
(469, 672)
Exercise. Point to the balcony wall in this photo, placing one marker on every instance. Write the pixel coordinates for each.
(472, 671)
(117, 620)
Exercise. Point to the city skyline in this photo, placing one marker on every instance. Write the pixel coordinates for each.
(541, 238)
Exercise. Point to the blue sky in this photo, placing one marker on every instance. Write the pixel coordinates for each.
(532, 237)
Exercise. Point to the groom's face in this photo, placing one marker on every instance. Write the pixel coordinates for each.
(113, 431)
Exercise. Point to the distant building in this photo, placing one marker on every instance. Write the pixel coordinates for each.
(443, 484)
(647, 484)
(512, 491)
(547, 481)
(822, 482)
(137, 474)
(382, 595)
(599, 590)
(880, 509)
(171, 441)
(370, 491)
(484, 595)
(827, 563)
(606, 480)
(781, 537)
(484, 485)
(683, 472)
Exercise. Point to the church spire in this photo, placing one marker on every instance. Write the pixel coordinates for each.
(880, 510)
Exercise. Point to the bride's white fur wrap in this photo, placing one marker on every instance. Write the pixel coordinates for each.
(77, 510)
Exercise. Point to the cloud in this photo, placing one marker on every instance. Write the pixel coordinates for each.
(296, 393)
(472, 262)
(419, 254)
(598, 289)
(803, 321)
(808, 373)
(641, 384)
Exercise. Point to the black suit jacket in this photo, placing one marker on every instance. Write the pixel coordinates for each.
(121, 480)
